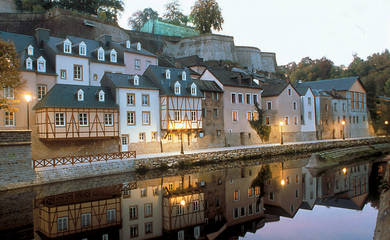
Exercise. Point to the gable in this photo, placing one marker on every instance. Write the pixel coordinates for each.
(357, 87)
(207, 75)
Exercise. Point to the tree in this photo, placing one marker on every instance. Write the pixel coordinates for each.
(262, 177)
(174, 15)
(262, 130)
(205, 15)
(9, 74)
(139, 18)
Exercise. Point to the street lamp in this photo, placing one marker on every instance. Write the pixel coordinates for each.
(345, 171)
(281, 132)
(387, 127)
(28, 99)
(343, 123)
(182, 202)
(282, 182)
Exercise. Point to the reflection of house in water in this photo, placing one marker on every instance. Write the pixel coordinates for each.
(310, 189)
(88, 214)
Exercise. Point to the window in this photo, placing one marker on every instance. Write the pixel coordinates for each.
(141, 138)
(257, 191)
(111, 215)
(286, 120)
(195, 206)
(148, 227)
(41, 91)
(269, 105)
(235, 213)
(169, 137)
(131, 99)
(67, 46)
(108, 119)
(30, 50)
(146, 118)
(177, 116)
(242, 212)
(63, 74)
(255, 98)
(183, 76)
(167, 74)
(137, 64)
(101, 96)
(105, 236)
(82, 49)
(180, 235)
(271, 196)
(236, 195)
(133, 210)
(179, 209)
(101, 54)
(267, 120)
(113, 56)
(9, 92)
(215, 112)
(177, 88)
(60, 119)
(138, 46)
(80, 95)
(9, 120)
(248, 98)
(196, 232)
(193, 89)
(294, 105)
(130, 118)
(249, 116)
(133, 231)
(309, 115)
(309, 101)
(85, 220)
(83, 119)
(128, 44)
(193, 116)
(295, 120)
(297, 178)
(250, 209)
(250, 192)
(136, 80)
(289, 92)
(343, 107)
(145, 100)
(41, 66)
(148, 210)
(234, 116)
(240, 98)
(29, 64)
(78, 72)
(233, 98)
(62, 224)
(335, 107)
(154, 136)
(326, 107)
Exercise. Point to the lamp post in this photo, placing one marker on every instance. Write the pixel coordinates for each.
(181, 143)
(281, 132)
(343, 123)
(282, 182)
(387, 128)
(28, 99)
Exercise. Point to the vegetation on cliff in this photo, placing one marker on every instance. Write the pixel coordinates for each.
(258, 124)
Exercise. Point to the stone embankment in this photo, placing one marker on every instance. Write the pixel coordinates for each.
(382, 229)
(221, 157)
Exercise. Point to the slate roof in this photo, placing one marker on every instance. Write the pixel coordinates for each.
(64, 95)
(119, 80)
(189, 61)
(208, 86)
(157, 75)
(231, 78)
(273, 87)
(338, 84)
(342, 202)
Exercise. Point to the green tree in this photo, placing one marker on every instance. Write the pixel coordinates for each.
(174, 15)
(139, 18)
(205, 15)
(262, 177)
(9, 74)
(262, 130)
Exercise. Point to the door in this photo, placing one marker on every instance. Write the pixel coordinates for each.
(125, 143)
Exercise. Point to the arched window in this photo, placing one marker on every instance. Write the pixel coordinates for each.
(177, 88)
(29, 63)
(67, 46)
(82, 49)
(183, 76)
(193, 89)
(136, 80)
(80, 95)
(101, 54)
(167, 74)
(128, 44)
(113, 56)
(30, 50)
(139, 46)
(41, 64)
(101, 96)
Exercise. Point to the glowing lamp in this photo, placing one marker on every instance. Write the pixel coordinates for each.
(28, 97)
(345, 171)
(282, 182)
(182, 202)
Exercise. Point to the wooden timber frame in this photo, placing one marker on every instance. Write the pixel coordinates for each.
(171, 200)
(71, 205)
(47, 129)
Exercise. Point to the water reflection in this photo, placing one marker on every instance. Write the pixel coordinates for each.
(218, 204)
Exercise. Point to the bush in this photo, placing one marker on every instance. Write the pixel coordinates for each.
(142, 170)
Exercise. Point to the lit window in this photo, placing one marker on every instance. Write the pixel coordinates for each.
(177, 88)
(193, 116)
(41, 66)
(63, 74)
(236, 195)
(82, 49)
(145, 118)
(193, 89)
(145, 100)
(83, 119)
(80, 95)
(113, 56)
(111, 215)
(286, 120)
(9, 92)
(78, 72)
(67, 46)
(130, 118)
(136, 80)
(257, 190)
(29, 63)
(41, 91)
(108, 119)
(60, 119)
(250, 192)
(62, 224)
(9, 120)
(131, 99)
(167, 74)
(101, 54)
(128, 43)
(101, 96)
(267, 120)
(183, 76)
(30, 50)
(137, 64)
(234, 115)
(295, 120)
(139, 46)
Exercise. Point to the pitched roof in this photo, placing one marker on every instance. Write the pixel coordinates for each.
(189, 61)
(273, 87)
(208, 86)
(64, 95)
(234, 79)
(338, 84)
(119, 80)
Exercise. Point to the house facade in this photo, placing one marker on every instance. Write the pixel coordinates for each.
(308, 117)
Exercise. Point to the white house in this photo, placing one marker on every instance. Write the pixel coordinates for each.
(308, 114)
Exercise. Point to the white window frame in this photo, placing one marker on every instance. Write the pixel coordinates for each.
(193, 89)
(180, 235)
(100, 54)
(61, 119)
(128, 44)
(150, 227)
(77, 72)
(266, 105)
(177, 116)
(80, 95)
(238, 98)
(9, 119)
(101, 96)
(177, 88)
(113, 56)
(139, 48)
(29, 64)
(233, 99)
(86, 220)
(183, 76)
(41, 91)
(108, 119)
(67, 46)
(9, 92)
(63, 74)
(133, 212)
(83, 119)
(289, 91)
(137, 64)
(146, 118)
(130, 118)
(111, 215)
(309, 101)
(62, 224)
(193, 116)
(145, 99)
(30, 50)
(150, 207)
(295, 106)
(82, 49)
(195, 206)
(130, 99)
(41, 64)
(246, 98)
(167, 74)
(136, 80)
(196, 232)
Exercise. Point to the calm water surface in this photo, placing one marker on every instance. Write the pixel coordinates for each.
(248, 200)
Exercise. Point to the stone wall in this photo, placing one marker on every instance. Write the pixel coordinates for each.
(249, 57)
(7, 6)
(15, 150)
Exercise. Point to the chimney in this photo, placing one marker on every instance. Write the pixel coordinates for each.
(105, 40)
(41, 36)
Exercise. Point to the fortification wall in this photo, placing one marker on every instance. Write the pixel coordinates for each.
(268, 62)
(7, 6)
(249, 57)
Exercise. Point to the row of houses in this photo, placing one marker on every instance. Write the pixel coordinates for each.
(222, 204)
(92, 96)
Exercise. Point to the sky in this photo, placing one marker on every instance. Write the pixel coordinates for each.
(335, 29)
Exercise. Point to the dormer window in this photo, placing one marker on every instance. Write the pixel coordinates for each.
(136, 80)
(168, 74)
(41, 64)
(177, 88)
(183, 76)
(101, 96)
(30, 50)
(82, 49)
(29, 63)
(139, 46)
(67, 46)
(113, 56)
(80, 95)
(128, 43)
(193, 89)
(101, 54)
